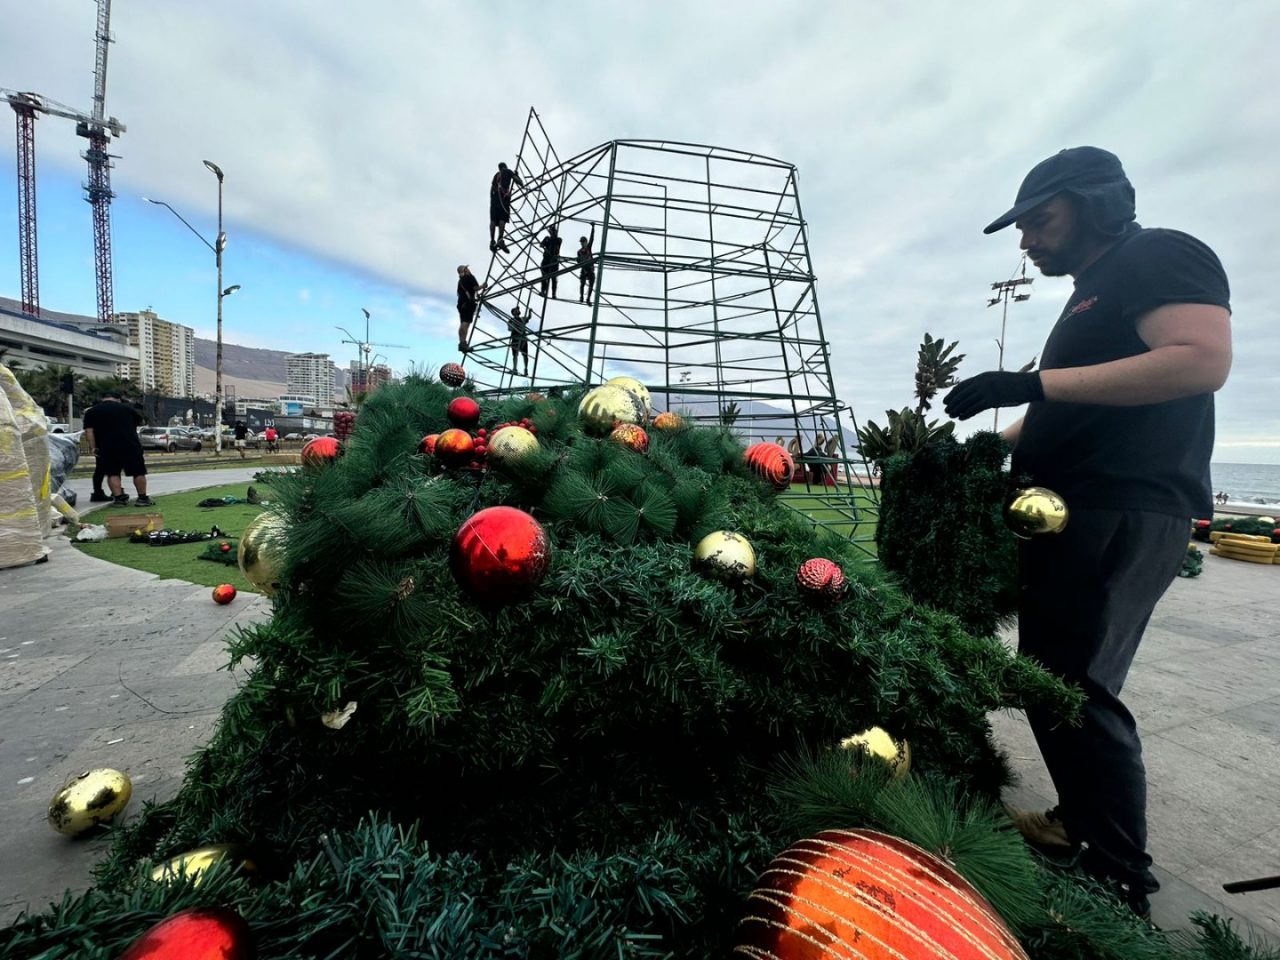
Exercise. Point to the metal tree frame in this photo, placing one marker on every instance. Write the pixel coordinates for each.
(704, 292)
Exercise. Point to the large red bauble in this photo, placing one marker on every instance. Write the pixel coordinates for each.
(455, 448)
(200, 933)
(632, 436)
(865, 894)
(224, 593)
(821, 579)
(771, 463)
(320, 451)
(463, 412)
(453, 374)
(499, 553)
(428, 444)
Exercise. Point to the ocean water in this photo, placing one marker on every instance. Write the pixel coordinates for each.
(1247, 482)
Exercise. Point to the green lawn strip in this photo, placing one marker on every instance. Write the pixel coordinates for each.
(85, 467)
(181, 562)
(817, 508)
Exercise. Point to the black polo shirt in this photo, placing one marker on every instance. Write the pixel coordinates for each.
(1153, 457)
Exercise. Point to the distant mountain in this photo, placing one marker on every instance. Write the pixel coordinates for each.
(252, 368)
(756, 420)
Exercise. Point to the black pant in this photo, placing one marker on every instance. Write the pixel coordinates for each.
(99, 474)
(550, 276)
(1085, 596)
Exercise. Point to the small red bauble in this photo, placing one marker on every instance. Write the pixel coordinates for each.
(454, 448)
(320, 451)
(224, 593)
(1202, 524)
(463, 412)
(498, 553)
(199, 933)
(453, 374)
(821, 579)
(860, 893)
(771, 463)
(428, 444)
(630, 435)
(224, 547)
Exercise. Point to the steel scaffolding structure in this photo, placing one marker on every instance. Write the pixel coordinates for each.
(704, 292)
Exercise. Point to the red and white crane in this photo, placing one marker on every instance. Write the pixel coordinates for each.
(98, 129)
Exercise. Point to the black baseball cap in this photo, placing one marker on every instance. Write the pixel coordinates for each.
(1081, 170)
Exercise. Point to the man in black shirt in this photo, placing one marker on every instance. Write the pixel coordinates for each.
(500, 206)
(1121, 424)
(469, 291)
(550, 259)
(242, 437)
(586, 267)
(111, 429)
(518, 327)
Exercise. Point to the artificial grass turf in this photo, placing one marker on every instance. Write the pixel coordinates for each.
(181, 561)
(837, 521)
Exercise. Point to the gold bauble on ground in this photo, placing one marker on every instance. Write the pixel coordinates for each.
(510, 444)
(194, 863)
(1034, 510)
(89, 799)
(878, 743)
(636, 388)
(725, 555)
(604, 407)
(261, 551)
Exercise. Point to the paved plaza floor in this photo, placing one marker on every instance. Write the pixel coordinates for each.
(106, 666)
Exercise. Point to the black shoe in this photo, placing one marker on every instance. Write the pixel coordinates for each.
(144, 501)
(493, 247)
(99, 497)
(503, 248)
(120, 501)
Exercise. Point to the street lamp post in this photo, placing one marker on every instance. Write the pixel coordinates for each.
(219, 244)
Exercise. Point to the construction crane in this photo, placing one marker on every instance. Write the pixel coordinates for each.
(98, 129)
(366, 346)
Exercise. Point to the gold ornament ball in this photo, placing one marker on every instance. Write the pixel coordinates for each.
(261, 552)
(668, 421)
(604, 407)
(636, 389)
(93, 797)
(725, 555)
(877, 742)
(194, 863)
(511, 444)
(1035, 510)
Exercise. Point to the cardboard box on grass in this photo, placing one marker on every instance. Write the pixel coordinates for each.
(123, 524)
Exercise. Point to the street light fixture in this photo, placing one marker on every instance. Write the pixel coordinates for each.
(219, 244)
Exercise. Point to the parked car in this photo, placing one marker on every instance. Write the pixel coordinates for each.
(55, 427)
(167, 438)
(293, 436)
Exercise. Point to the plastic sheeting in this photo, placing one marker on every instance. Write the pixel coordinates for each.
(21, 528)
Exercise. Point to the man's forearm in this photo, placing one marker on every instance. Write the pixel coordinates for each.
(1012, 431)
(1166, 373)
(90, 439)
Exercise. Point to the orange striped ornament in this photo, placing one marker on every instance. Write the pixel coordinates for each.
(865, 895)
(770, 463)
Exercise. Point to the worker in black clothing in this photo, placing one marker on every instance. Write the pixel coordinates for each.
(500, 205)
(469, 291)
(111, 429)
(586, 267)
(550, 260)
(1120, 423)
(518, 327)
(241, 432)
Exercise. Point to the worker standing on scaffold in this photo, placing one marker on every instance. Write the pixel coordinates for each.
(550, 260)
(587, 273)
(469, 291)
(500, 206)
(518, 327)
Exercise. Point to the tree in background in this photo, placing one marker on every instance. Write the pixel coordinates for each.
(729, 415)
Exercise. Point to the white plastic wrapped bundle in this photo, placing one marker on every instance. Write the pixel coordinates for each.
(20, 532)
(32, 428)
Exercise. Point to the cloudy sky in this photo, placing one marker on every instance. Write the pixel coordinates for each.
(358, 141)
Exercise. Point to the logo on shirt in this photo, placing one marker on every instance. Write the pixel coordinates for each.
(1082, 306)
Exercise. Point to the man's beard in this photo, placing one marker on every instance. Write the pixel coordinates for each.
(1064, 260)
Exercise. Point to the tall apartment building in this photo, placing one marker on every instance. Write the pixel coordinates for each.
(166, 354)
(311, 375)
(367, 379)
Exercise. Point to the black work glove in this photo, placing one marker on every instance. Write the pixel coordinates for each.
(996, 388)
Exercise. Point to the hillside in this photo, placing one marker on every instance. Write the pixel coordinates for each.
(253, 371)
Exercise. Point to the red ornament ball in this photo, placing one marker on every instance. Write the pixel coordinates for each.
(861, 893)
(320, 451)
(771, 463)
(632, 436)
(199, 933)
(499, 553)
(224, 593)
(428, 444)
(821, 579)
(453, 375)
(224, 547)
(463, 412)
(454, 448)
(1204, 524)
